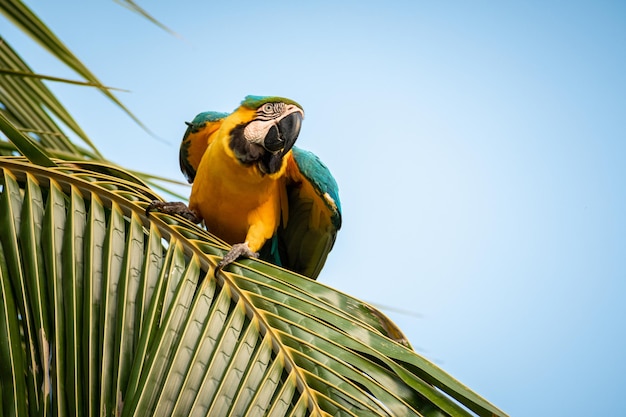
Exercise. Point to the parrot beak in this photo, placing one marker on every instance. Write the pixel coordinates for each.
(283, 134)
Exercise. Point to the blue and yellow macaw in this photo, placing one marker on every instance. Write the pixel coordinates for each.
(257, 191)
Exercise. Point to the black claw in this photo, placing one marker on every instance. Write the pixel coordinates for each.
(237, 251)
(152, 207)
(174, 207)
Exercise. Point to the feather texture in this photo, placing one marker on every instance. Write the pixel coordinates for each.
(307, 236)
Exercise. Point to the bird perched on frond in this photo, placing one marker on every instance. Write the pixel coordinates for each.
(257, 191)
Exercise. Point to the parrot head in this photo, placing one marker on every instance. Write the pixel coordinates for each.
(266, 131)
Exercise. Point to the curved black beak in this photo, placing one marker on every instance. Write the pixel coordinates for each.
(283, 135)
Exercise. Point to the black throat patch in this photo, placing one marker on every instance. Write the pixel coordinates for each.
(249, 153)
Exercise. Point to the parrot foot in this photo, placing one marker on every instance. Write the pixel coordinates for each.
(173, 207)
(238, 250)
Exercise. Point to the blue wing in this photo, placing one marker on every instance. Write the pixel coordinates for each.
(313, 219)
(196, 140)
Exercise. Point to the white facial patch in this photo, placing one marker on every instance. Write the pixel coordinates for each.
(256, 131)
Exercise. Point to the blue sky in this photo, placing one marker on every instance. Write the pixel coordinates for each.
(479, 149)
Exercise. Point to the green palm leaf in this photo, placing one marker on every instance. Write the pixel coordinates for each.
(28, 111)
(121, 314)
(28, 21)
(131, 5)
(30, 105)
(12, 361)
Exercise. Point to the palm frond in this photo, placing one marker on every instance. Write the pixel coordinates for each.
(12, 360)
(17, 73)
(28, 21)
(24, 144)
(32, 107)
(29, 107)
(28, 118)
(131, 5)
(162, 336)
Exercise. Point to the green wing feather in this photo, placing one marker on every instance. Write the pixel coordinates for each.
(313, 220)
(196, 140)
(322, 180)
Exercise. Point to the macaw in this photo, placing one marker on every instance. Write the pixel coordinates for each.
(255, 190)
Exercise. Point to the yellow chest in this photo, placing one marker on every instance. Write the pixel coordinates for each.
(234, 199)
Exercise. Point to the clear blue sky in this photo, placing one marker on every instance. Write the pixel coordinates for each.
(480, 149)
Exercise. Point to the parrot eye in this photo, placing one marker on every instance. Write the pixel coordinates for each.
(271, 110)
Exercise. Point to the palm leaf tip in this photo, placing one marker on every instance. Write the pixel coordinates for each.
(131, 5)
(24, 144)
